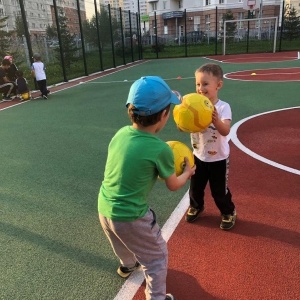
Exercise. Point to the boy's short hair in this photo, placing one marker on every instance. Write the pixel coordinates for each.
(145, 120)
(149, 95)
(19, 73)
(214, 69)
(6, 62)
(36, 56)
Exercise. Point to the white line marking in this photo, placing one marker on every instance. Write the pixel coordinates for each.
(236, 141)
(133, 283)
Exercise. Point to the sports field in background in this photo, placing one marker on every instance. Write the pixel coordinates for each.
(53, 158)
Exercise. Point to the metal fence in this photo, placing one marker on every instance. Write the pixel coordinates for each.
(114, 37)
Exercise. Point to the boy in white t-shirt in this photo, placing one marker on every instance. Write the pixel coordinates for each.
(38, 72)
(211, 151)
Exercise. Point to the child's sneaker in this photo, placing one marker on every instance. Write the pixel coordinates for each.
(45, 97)
(228, 221)
(125, 272)
(192, 214)
(7, 98)
(170, 297)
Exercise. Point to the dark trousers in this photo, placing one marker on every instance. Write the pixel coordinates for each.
(216, 173)
(42, 84)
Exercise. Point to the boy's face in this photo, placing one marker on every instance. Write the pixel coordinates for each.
(5, 67)
(208, 85)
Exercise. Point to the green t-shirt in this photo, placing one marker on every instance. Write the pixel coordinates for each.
(135, 159)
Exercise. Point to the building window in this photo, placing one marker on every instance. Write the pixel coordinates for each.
(154, 6)
(164, 4)
(197, 23)
(179, 4)
(221, 1)
(181, 30)
(240, 17)
(207, 2)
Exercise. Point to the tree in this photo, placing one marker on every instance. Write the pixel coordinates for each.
(4, 38)
(291, 24)
(51, 32)
(19, 26)
(90, 29)
(230, 27)
(69, 48)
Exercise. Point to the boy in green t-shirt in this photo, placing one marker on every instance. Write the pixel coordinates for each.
(136, 157)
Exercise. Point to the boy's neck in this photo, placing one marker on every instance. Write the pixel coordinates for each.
(150, 129)
(214, 101)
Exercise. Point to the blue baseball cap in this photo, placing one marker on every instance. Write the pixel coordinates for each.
(150, 94)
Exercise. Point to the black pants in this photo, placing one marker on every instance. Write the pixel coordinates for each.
(216, 173)
(42, 84)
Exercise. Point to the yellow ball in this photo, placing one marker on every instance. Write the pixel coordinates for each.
(25, 96)
(180, 151)
(194, 114)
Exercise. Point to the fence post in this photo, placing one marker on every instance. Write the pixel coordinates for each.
(216, 35)
(59, 39)
(98, 35)
(82, 39)
(130, 30)
(27, 35)
(111, 35)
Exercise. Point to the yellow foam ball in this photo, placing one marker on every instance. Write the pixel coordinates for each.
(180, 151)
(194, 114)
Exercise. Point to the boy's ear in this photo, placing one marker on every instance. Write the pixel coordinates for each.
(220, 84)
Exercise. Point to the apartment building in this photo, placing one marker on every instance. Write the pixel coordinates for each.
(203, 15)
(295, 4)
(40, 14)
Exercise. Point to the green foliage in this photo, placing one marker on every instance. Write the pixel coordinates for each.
(291, 24)
(230, 27)
(69, 48)
(19, 26)
(90, 32)
(51, 32)
(4, 38)
(158, 48)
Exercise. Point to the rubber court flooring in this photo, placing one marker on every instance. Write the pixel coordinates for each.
(258, 259)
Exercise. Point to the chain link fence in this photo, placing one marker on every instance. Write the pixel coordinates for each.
(114, 37)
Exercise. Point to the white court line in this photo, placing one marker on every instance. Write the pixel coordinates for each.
(236, 141)
(125, 67)
(133, 283)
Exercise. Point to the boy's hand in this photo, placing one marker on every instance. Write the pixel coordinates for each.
(215, 116)
(188, 169)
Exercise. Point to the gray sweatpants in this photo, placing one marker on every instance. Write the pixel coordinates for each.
(141, 241)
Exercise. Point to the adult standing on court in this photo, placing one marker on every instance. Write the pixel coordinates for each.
(38, 72)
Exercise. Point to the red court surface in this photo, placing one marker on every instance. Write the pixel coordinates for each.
(259, 258)
(278, 74)
(256, 57)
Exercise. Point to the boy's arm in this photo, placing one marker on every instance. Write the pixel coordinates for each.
(174, 183)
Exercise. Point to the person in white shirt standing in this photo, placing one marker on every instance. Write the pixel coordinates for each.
(211, 151)
(38, 72)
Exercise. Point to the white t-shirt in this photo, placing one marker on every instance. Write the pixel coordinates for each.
(39, 70)
(209, 145)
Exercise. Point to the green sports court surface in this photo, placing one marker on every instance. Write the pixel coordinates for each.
(52, 164)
